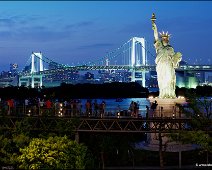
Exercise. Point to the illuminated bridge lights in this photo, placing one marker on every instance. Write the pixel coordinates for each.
(195, 67)
(114, 67)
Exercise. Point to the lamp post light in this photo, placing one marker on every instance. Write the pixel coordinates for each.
(29, 112)
(60, 110)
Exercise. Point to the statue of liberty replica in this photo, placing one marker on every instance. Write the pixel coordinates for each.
(166, 62)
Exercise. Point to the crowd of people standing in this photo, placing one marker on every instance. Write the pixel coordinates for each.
(71, 107)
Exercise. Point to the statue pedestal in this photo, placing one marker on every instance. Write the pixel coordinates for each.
(165, 108)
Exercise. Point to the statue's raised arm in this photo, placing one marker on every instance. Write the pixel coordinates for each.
(154, 27)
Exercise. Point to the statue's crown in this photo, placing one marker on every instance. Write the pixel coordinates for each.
(164, 35)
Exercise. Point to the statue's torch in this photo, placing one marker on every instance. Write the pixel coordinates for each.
(153, 19)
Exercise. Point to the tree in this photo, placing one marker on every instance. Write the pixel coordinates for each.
(111, 150)
(13, 139)
(199, 109)
(53, 153)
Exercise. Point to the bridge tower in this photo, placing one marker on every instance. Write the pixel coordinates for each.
(33, 78)
(135, 59)
(107, 62)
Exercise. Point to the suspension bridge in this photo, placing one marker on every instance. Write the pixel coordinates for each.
(131, 57)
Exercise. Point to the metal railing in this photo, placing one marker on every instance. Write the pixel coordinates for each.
(61, 111)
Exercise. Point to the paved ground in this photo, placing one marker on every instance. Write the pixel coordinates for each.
(166, 167)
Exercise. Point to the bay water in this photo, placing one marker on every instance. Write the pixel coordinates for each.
(114, 105)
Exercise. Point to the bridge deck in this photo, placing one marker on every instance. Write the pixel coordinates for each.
(115, 67)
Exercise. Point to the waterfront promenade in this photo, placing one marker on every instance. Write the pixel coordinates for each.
(131, 107)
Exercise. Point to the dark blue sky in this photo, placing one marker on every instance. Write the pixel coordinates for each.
(75, 32)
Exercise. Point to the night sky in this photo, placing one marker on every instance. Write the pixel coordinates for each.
(71, 32)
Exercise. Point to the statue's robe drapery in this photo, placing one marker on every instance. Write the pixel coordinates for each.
(166, 62)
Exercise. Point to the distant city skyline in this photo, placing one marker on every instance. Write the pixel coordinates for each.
(71, 32)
